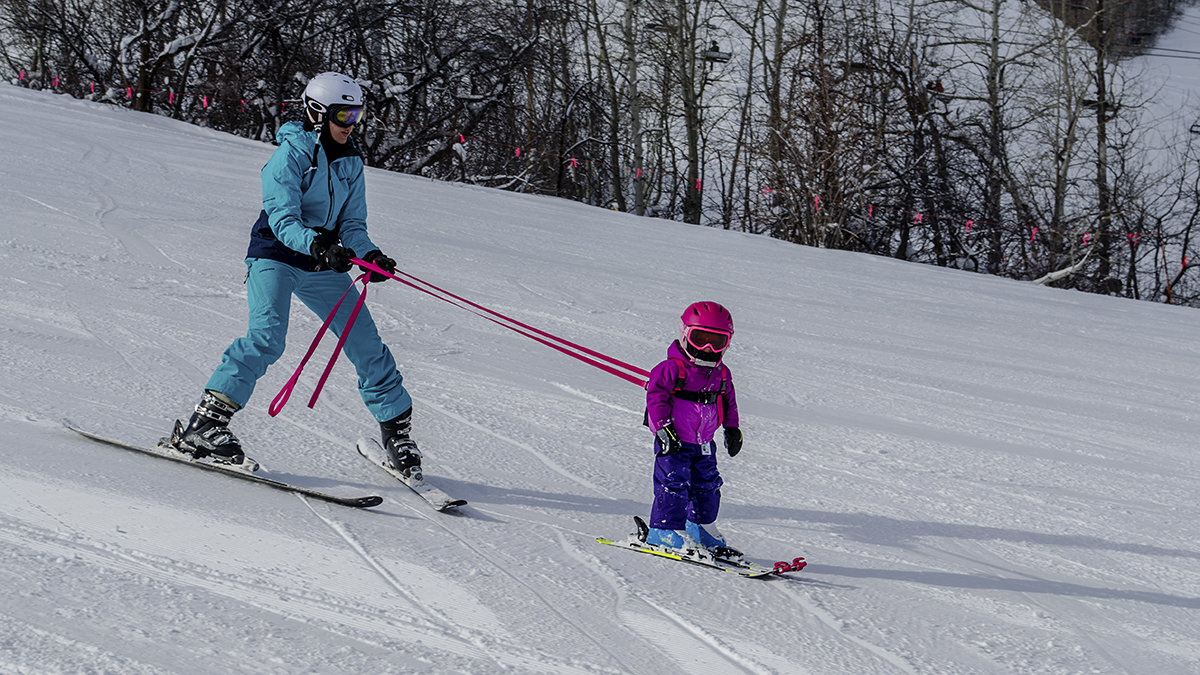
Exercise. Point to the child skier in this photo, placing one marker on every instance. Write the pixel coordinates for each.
(689, 395)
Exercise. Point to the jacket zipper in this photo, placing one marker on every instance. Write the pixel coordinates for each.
(329, 175)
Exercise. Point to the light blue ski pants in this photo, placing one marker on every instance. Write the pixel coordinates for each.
(269, 288)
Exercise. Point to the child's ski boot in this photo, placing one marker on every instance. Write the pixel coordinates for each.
(666, 538)
(675, 541)
(711, 538)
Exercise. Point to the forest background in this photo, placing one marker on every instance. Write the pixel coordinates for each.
(999, 136)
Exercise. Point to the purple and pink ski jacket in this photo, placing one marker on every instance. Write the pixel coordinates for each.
(694, 422)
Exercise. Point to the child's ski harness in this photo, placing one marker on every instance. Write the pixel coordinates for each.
(701, 397)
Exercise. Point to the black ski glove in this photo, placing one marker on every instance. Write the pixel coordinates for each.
(331, 254)
(382, 262)
(668, 440)
(733, 441)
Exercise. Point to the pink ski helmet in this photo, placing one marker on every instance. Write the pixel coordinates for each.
(706, 328)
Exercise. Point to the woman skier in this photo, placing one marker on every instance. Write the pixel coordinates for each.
(689, 396)
(313, 221)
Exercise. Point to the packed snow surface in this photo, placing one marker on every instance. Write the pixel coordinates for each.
(987, 476)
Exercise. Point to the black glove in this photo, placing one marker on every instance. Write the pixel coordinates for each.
(382, 262)
(668, 440)
(733, 441)
(331, 254)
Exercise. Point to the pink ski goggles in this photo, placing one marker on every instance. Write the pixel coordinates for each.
(707, 339)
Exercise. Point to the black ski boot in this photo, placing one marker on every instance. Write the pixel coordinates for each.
(207, 433)
(402, 452)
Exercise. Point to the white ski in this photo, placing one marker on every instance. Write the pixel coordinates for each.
(164, 451)
(439, 500)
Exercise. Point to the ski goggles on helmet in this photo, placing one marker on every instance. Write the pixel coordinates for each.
(707, 339)
(345, 116)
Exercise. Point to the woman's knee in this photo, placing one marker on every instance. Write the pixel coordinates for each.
(267, 344)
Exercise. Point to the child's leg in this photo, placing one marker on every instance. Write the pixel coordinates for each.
(672, 478)
(705, 487)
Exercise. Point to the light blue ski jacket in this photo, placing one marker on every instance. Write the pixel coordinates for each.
(304, 194)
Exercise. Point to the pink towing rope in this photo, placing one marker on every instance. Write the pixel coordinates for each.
(608, 364)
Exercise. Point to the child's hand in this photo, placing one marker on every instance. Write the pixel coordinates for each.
(668, 440)
(733, 441)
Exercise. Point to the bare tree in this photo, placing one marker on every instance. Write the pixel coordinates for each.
(961, 133)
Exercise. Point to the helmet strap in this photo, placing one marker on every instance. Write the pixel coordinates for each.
(312, 118)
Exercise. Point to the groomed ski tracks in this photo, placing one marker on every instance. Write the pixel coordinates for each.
(354, 502)
(373, 452)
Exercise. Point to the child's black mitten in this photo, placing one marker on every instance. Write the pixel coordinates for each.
(668, 440)
(733, 441)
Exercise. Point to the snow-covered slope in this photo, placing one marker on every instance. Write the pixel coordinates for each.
(987, 476)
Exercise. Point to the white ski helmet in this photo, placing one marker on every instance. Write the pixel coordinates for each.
(329, 93)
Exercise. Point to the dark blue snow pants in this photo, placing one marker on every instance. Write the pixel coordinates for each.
(687, 487)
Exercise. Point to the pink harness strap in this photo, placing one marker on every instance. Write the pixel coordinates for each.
(282, 397)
